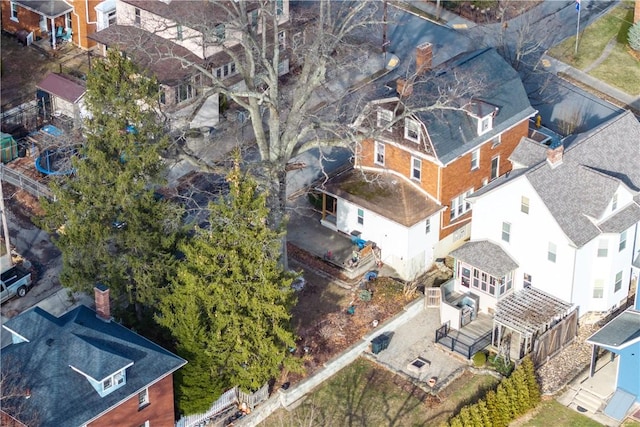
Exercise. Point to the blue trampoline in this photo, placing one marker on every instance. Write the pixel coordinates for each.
(56, 159)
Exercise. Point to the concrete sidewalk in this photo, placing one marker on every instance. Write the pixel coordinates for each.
(559, 68)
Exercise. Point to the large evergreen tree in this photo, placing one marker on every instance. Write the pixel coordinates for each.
(115, 230)
(229, 305)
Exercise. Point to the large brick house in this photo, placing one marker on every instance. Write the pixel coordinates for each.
(440, 135)
(84, 369)
(177, 40)
(42, 18)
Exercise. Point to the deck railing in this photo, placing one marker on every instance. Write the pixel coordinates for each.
(20, 180)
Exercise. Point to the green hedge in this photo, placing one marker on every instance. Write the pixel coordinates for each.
(514, 396)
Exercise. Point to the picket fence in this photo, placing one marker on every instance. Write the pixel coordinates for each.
(232, 397)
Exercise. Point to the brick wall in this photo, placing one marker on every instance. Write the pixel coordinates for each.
(159, 411)
(458, 177)
(27, 20)
(399, 160)
(81, 29)
(636, 12)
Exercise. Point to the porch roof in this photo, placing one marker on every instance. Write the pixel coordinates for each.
(527, 310)
(486, 256)
(619, 333)
(383, 193)
(62, 87)
(150, 51)
(48, 8)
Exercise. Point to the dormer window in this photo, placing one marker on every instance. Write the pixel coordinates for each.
(384, 119)
(412, 130)
(485, 124)
(113, 382)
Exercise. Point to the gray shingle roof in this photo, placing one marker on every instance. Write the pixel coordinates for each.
(493, 82)
(62, 396)
(592, 169)
(621, 332)
(486, 256)
(48, 8)
(621, 220)
(528, 152)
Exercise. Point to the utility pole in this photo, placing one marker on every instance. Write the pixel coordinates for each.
(5, 227)
(578, 25)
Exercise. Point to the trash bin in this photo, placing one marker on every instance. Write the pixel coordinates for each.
(379, 343)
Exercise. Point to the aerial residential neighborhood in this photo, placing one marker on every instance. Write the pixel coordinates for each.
(283, 212)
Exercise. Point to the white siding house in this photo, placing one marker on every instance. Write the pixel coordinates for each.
(570, 219)
(401, 220)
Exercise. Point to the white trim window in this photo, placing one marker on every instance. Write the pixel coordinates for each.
(618, 283)
(506, 232)
(496, 141)
(226, 70)
(598, 289)
(526, 281)
(143, 398)
(427, 226)
(179, 32)
(184, 92)
(378, 155)
(14, 12)
(614, 202)
(112, 18)
(552, 252)
(485, 124)
(137, 21)
(279, 7)
(495, 167)
(416, 168)
(384, 119)
(220, 32)
(282, 39)
(603, 248)
(524, 205)
(361, 216)
(114, 381)
(623, 241)
(475, 159)
(460, 205)
(412, 130)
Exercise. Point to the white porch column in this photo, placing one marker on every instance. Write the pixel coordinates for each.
(53, 33)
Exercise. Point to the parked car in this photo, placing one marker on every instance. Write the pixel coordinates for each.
(15, 281)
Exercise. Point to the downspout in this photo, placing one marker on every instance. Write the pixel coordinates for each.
(633, 254)
(573, 281)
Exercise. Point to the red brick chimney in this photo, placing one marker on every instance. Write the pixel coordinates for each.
(424, 57)
(554, 155)
(103, 307)
(404, 88)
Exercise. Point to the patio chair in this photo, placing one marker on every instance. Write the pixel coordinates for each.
(58, 32)
(67, 35)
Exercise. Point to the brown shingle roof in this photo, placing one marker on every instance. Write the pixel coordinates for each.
(385, 194)
(62, 87)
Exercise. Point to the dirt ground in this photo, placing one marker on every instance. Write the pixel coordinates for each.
(24, 66)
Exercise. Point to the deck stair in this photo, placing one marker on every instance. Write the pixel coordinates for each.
(587, 400)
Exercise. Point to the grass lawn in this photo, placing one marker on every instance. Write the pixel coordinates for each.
(364, 394)
(620, 69)
(552, 413)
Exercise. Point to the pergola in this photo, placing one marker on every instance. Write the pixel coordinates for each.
(526, 314)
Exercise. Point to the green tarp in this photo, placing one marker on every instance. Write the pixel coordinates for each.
(8, 148)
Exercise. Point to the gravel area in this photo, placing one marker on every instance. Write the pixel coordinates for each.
(567, 364)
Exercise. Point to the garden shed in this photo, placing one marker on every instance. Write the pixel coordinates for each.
(59, 94)
(8, 148)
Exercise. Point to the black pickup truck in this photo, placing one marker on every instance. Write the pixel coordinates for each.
(14, 281)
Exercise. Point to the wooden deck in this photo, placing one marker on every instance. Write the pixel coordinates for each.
(471, 338)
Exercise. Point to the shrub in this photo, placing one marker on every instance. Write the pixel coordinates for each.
(513, 397)
(498, 363)
(634, 36)
(479, 359)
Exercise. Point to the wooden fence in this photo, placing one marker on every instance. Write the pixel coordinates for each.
(230, 398)
(555, 339)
